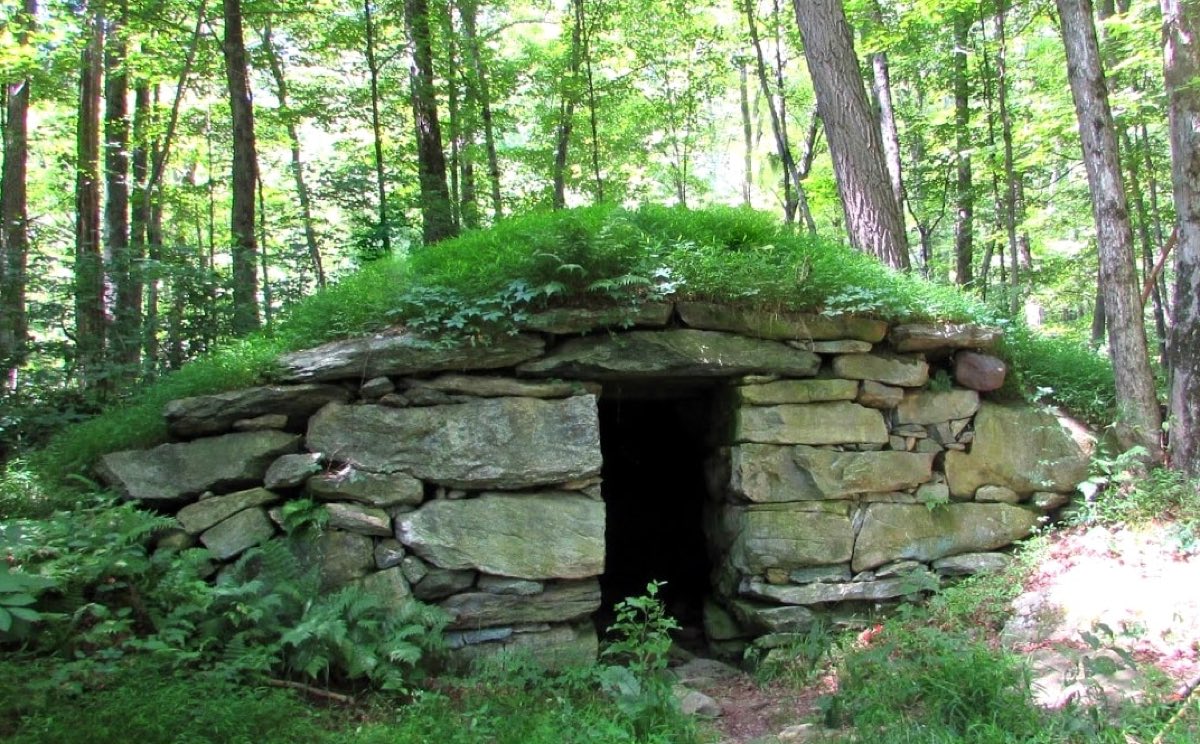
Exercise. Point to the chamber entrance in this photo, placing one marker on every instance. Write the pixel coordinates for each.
(655, 443)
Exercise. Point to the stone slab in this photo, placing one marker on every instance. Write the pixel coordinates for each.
(507, 443)
(838, 422)
(781, 325)
(771, 473)
(892, 532)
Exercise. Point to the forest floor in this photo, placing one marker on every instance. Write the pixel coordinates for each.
(1105, 613)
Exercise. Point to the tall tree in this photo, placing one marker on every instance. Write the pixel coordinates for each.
(245, 173)
(302, 192)
(373, 71)
(793, 187)
(1181, 66)
(566, 113)
(90, 322)
(964, 190)
(872, 214)
(14, 218)
(881, 89)
(1138, 418)
(477, 87)
(125, 336)
(436, 210)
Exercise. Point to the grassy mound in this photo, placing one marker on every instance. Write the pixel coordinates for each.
(483, 283)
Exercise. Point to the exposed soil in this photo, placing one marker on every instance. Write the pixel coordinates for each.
(1102, 610)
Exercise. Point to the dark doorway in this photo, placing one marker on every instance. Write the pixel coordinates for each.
(654, 444)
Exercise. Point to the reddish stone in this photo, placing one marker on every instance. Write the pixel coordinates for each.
(981, 372)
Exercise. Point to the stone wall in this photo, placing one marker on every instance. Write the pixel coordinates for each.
(851, 462)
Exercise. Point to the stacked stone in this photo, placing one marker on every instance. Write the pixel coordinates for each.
(468, 476)
(865, 483)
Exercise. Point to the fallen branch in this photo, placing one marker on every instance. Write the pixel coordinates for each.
(1158, 265)
(336, 697)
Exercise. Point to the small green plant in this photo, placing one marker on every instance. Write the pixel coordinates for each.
(798, 658)
(18, 593)
(641, 632)
(303, 517)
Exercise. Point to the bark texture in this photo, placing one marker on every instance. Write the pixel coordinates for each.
(14, 234)
(1181, 55)
(1138, 418)
(245, 174)
(872, 214)
(436, 210)
(89, 262)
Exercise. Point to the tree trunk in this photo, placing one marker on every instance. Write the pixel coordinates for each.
(468, 10)
(776, 106)
(125, 339)
(89, 263)
(14, 218)
(747, 135)
(1009, 199)
(964, 191)
(245, 174)
(1138, 418)
(591, 93)
(881, 87)
(1181, 66)
(1134, 160)
(302, 193)
(436, 213)
(872, 217)
(566, 118)
(454, 123)
(384, 228)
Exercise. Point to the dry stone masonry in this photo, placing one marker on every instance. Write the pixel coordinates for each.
(849, 463)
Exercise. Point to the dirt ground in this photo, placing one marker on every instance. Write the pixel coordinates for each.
(1104, 607)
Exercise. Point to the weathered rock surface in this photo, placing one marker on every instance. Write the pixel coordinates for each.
(502, 387)
(695, 703)
(439, 583)
(671, 353)
(290, 471)
(344, 556)
(402, 354)
(174, 472)
(216, 414)
(566, 321)
(1019, 447)
(388, 553)
(374, 489)
(997, 495)
(930, 407)
(819, 593)
(838, 422)
(759, 618)
(243, 530)
(365, 520)
(971, 563)
(780, 325)
(541, 535)
(877, 395)
(796, 391)
(505, 585)
(933, 336)
(981, 372)
(198, 517)
(890, 370)
(769, 473)
(892, 532)
(491, 443)
(389, 585)
(788, 536)
(555, 647)
(559, 602)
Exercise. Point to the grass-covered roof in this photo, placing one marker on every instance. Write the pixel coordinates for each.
(484, 281)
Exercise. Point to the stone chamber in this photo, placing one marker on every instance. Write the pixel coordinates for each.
(771, 468)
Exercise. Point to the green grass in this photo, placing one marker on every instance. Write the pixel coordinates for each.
(140, 701)
(484, 281)
(1064, 369)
